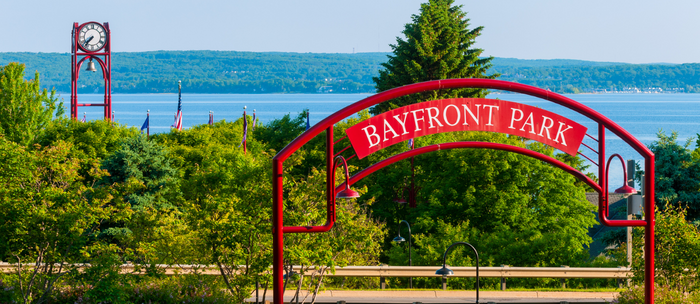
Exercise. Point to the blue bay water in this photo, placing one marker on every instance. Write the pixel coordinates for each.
(643, 115)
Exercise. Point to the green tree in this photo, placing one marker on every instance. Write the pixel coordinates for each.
(677, 251)
(141, 171)
(677, 173)
(25, 109)
(437, 46)
(50, 217)
(145, 163)
(94, 140)
(91, 141)
(227, 202)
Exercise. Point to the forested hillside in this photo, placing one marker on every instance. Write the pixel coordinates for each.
(273, 72)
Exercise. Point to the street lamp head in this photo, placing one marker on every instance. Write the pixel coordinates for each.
(625, 189)
(346, 193)
(399, 239)
(401, 201)
(444, 271)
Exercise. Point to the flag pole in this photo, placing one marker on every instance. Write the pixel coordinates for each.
(148, 127)
(245, 138)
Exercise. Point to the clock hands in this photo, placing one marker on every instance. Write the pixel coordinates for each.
(88, 41)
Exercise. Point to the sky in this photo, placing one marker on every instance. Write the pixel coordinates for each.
(612, 30)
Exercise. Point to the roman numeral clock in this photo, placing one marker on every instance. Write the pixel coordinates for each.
(91, 43)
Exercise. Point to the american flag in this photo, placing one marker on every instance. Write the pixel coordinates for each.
(307, 120)
(410, 143)
(211, 118)
(83, 120)
(178, 116)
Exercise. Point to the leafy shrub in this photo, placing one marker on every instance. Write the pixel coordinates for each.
(662, 295)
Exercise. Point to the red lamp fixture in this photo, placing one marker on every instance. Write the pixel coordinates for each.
(346, 193)
(625, 189)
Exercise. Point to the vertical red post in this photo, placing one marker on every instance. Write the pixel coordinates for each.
(649, 209)
(602, 179)
(330, 174)
(277, 233)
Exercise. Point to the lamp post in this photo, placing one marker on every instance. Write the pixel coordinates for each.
(627, 190)
(444, 271)
(400, 239)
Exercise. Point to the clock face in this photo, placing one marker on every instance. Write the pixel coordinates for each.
(92, 37)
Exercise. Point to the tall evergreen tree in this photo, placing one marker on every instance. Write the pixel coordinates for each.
(437, 46)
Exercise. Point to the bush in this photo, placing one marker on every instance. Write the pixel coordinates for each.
(662, 295)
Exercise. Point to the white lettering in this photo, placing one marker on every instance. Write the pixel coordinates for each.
(444, 115)
(512, 117)
(529, 121)
(490, 113)
(372, 135)
(416, 119)
(546, 127)
(388, 128)
(560, 132)
(402, 122)
(433, 117)
(475, 118)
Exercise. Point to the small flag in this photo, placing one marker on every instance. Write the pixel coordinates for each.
(83, 120)
(410, 143)
(145, 124)
(253, 128)
(307, 120)
(178, 116)
(211, 118)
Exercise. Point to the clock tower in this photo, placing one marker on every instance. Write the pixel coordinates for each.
(91, 41)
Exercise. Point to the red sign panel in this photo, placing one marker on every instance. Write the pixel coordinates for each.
(465, 114)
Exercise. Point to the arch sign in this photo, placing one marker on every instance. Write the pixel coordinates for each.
(465, 114)
(461, 114)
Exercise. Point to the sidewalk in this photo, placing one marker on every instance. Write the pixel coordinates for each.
(440, 296)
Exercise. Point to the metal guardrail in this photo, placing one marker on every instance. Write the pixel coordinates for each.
(397, 271)
(126, 268)
(384, 272)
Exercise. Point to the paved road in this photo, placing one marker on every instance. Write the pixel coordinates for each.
(439, 296)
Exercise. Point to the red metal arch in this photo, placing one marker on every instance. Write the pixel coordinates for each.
(327, 125)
